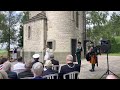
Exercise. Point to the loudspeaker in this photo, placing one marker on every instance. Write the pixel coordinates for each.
(105, 46)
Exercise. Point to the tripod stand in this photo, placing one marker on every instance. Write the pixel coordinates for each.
(107, 72)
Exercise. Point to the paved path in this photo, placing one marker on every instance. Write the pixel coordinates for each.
(114, 65)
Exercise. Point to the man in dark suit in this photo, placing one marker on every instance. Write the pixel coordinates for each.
(54, 62)
(48, 68)
(27, 72)
(69, 67)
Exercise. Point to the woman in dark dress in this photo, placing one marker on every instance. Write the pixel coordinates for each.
(78, 53)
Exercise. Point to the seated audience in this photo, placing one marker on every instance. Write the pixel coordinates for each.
(3, 74)
(12, 60)
(7, 68)
(13, 63)
(111, 77)
(54, 62)
(19, 66)
(69, 67)
(27, 72)
(37, 70)
(48, 66)
(3, 60)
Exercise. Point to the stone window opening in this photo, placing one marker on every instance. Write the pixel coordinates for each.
(50, 45)
(77, 19)
(29, 32)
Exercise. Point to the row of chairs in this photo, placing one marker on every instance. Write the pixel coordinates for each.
(71, 75)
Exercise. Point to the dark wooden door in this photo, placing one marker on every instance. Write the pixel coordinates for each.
(73, 48)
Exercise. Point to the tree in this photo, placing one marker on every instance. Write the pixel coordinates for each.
(25, 16)
(8, 31)
(20, 35)
(96, 20)
(115, 22)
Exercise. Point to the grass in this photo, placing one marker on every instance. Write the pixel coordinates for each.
(114, 54)
(3, 53)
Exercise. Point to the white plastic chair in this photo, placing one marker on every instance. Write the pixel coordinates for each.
(55, 67)
(71, 75)
(51, 76)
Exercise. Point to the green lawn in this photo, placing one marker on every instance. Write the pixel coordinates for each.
(3, 53)
(114, 54)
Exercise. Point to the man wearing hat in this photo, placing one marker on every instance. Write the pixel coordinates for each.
(36, 58)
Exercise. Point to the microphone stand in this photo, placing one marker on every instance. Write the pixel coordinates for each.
(107, 72)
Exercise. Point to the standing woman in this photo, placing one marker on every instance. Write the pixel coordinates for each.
(47, 53)
(78, 53)
(93, 59)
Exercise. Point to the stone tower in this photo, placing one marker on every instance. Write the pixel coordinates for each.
(60, 30)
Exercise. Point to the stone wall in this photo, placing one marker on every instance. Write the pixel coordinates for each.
(61, 28)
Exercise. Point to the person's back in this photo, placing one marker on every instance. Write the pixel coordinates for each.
(69, 67)
(12, 75)
(37, 70)
(19, 66)
(49, 71)
(13, 63)
(24, 74)
(7, 68)
(27, 72)
(55, 62)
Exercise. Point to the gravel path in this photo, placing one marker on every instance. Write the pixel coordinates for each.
(114, 66)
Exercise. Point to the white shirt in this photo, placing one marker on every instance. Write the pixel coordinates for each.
(47, 54)
(19, 67)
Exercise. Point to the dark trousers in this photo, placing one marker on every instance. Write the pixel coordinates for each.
(79, 63)
(93, 66)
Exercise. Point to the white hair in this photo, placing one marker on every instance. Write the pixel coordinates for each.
(69, 57)
(48, 63)
(37, 69)
(111, 77)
